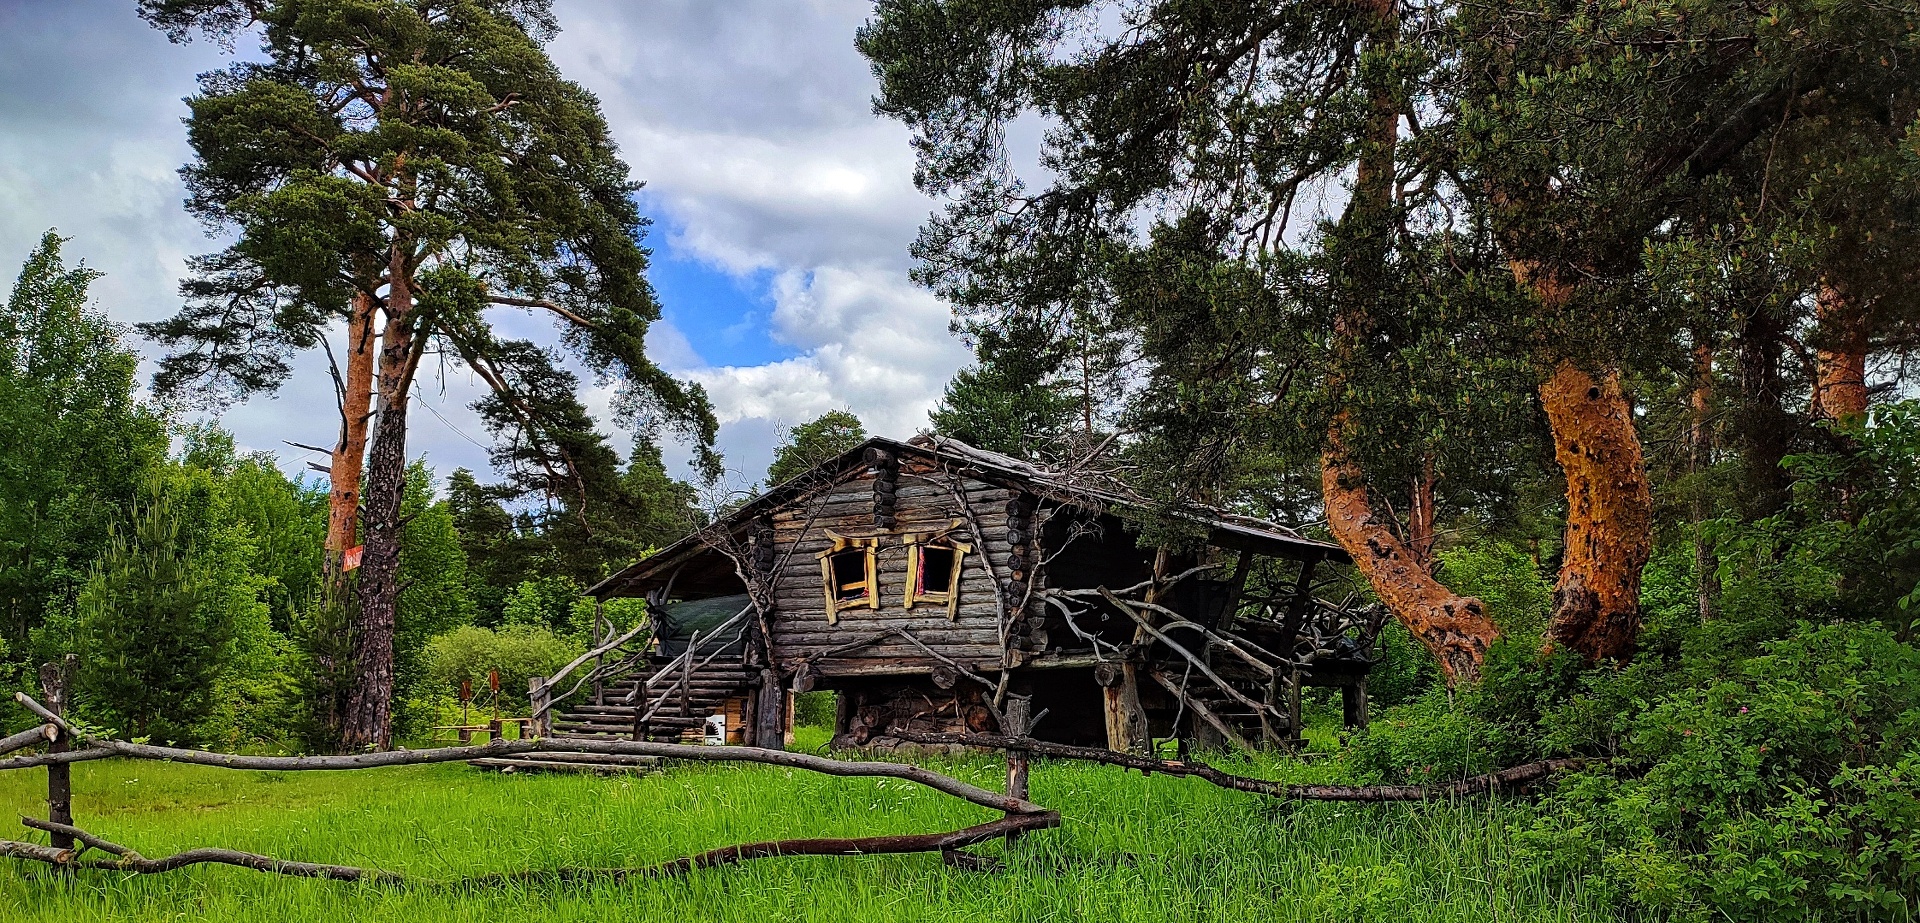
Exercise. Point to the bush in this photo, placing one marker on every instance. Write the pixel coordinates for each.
(1506, 579)
(815, 709)
(1431, 739)
(469, 653)
(1790, 788)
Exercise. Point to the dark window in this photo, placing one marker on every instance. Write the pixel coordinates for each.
(936, 570)
(850, 575)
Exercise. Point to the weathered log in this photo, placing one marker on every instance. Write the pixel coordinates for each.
(1201, 710)
(971, 793)
(43, 734)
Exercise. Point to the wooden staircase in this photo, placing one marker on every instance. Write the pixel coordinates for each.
(663, 703)
(638, 696)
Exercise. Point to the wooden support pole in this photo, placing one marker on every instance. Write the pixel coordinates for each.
(1353, 703)
(1295, 732)
(539, 694)
(53, 682)
(1017, 713)
(770, 713)
(1120, 695)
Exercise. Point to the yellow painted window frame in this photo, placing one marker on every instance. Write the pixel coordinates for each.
(951, 598)
(842, 543)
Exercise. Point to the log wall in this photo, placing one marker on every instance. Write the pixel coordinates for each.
(922, 502)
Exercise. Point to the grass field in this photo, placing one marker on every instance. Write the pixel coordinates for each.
(1131, 848)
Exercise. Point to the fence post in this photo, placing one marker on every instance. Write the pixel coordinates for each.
(53, 682)
(540, 696)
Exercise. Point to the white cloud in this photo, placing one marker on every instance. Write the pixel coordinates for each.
(749, 120)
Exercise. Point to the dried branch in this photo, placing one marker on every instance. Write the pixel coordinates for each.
(127, 860)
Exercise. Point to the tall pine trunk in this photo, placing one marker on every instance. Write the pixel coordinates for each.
(331, 665)
(369, 718)
(1455, 628)
(1840, 393)
(1706, 561)
(356, 405)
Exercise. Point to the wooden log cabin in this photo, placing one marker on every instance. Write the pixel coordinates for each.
(928, 581)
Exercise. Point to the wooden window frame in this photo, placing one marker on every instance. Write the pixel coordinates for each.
(830, 585)
(916, 544)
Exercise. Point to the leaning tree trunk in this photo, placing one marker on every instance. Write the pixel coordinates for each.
(1454, 627)
(1596, 603)
(368, 723)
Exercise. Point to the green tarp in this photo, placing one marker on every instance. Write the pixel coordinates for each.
(676, 623)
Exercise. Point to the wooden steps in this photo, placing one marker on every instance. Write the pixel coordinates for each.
(561, 761)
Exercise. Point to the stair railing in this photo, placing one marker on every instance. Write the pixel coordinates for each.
(680, 670)
(540, 689)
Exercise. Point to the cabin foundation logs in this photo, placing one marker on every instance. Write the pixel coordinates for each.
(873, 712)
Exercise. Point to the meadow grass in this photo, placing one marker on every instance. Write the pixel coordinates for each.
(1131, 848)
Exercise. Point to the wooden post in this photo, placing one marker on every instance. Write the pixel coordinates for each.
(1126, 720)
(770, 713)
(1019, 708)
(54, 679)
(1295, 733)
(540, 696)
(1353, 703)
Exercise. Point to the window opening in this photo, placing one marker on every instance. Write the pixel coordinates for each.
(847, 575)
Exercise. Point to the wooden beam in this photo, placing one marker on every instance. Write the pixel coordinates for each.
(1201, 710)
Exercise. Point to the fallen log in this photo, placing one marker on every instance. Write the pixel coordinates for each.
(1493, 781)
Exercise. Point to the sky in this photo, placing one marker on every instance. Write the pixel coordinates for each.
(782, 210)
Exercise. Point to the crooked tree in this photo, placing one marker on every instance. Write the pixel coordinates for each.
(407, 169)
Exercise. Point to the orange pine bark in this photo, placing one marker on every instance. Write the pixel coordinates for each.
(349, 454)
(1456, 628)
(1840, 393)
(1596, 602)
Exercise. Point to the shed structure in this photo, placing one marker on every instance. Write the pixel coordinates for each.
(928, 581)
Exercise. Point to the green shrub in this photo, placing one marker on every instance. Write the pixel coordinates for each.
(1504, 578)
(815, 709)
(1788, 789)
(1431, 739)
(518, 651)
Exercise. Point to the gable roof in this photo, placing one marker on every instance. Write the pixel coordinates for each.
(1224, 529)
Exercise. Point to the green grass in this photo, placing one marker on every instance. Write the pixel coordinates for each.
(1132, 848)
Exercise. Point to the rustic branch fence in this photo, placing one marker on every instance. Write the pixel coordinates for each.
(70, 845)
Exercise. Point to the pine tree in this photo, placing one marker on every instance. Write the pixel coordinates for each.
(407, 168)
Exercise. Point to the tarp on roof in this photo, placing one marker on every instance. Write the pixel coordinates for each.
(676, 623)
